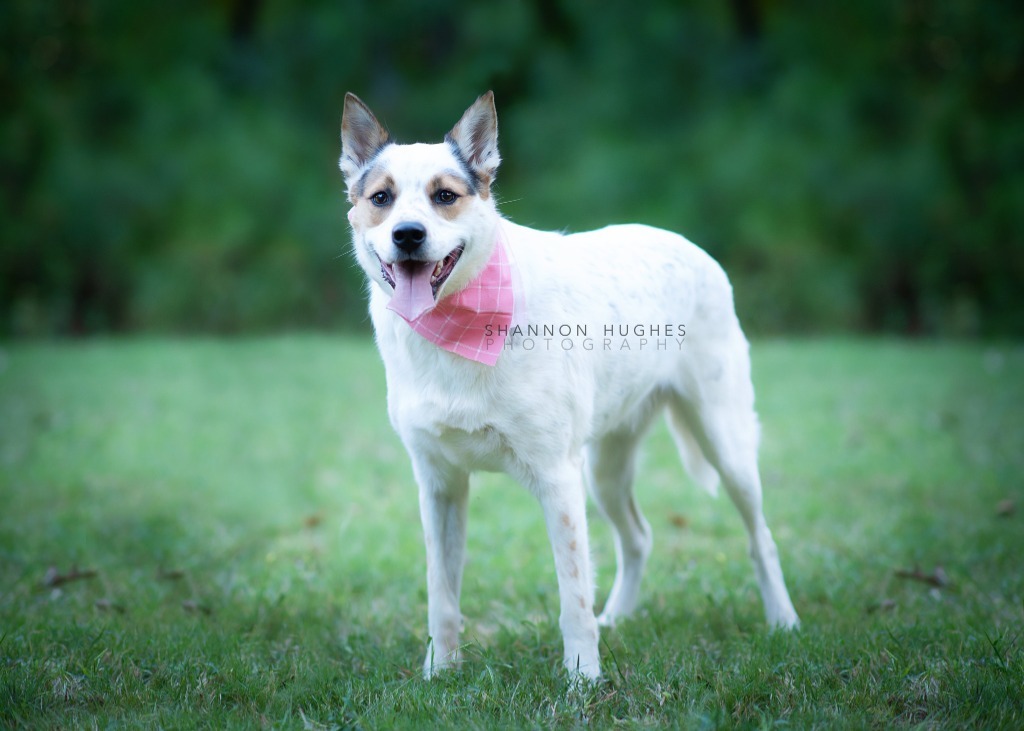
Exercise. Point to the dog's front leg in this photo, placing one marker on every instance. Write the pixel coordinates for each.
(563, 499)
(444, 493)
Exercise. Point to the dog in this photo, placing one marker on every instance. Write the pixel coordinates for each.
(641, 322)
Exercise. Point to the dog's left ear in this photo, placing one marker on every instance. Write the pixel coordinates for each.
(476, 137)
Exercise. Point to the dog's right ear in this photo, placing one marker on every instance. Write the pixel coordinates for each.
(362, 137)
(476, 138)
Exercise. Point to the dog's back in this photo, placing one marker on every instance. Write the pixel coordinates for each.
(636, 312)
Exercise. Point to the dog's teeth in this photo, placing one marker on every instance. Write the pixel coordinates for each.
(437, 268)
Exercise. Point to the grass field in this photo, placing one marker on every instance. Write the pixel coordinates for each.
(225, 534)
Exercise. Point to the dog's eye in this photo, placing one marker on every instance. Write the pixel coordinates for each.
(445, 197)
(381, 198)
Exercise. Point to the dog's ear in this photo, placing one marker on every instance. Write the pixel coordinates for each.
(362, 136)
(476, 137)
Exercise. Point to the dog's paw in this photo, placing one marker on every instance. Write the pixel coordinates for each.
(433, 670)
(582, 679)
(784, 620)
(435, 663)
(583, 670)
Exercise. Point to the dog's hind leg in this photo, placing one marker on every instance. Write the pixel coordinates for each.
(610, 468)
(725, 426)
(444, 493)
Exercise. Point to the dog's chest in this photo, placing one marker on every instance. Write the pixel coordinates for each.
(441, 403)
(439, 417)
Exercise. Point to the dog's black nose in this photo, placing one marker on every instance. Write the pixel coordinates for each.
(409, 236)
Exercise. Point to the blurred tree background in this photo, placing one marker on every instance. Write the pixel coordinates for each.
(171, 167)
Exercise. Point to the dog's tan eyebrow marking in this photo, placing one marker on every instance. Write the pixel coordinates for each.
(380, 181)
(450, 180)
(457, 184)
(369, 214)
(370, 181)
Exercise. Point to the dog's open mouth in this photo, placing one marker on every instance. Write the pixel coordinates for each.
(413, 270)
(416, 283)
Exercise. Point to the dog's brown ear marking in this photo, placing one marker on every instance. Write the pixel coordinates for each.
(475, 142)
(362, 137)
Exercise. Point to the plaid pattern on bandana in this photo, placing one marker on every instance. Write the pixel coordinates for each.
(458, 323)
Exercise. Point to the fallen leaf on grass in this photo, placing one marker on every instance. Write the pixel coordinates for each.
(678, 520)
(1006, 508)
(54, 578)
(312, 521)
(937, 578)
(169, 574)
(190, 605)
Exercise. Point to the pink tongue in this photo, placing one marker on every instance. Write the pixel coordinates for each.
(413, 294)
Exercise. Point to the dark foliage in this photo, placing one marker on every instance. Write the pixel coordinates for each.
(173, 166)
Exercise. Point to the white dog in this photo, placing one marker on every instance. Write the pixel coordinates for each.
(545, 356)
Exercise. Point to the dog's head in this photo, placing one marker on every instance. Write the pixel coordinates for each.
(422, 215)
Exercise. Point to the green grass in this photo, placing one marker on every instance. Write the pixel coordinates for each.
(253, 526)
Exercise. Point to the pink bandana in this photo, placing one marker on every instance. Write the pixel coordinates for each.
(459, 322)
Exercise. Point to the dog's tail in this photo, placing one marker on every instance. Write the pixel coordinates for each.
(694, 460)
